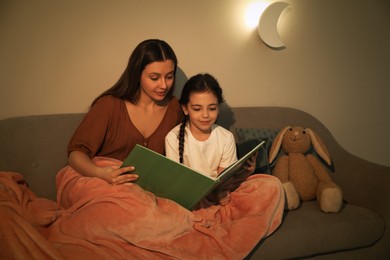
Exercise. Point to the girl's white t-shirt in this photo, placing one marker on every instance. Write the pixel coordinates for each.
(219, 150)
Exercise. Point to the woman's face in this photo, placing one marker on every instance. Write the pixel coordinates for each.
(202, 110)
(157, 79)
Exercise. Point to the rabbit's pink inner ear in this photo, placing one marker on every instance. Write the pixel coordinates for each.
(276, 144)
(319, 146)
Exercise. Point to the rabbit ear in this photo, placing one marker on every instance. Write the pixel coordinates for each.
(276, 144)
(319, 146)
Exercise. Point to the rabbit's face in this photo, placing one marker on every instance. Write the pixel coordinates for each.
(296, 140)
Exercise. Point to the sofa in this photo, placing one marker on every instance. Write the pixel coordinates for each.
(35, 146)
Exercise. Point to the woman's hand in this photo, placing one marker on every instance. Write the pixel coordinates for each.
(111, 174)
(116, 175)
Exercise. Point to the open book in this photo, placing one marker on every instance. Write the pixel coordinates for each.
(172, 180)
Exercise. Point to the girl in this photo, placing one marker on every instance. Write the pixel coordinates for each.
(198, 142)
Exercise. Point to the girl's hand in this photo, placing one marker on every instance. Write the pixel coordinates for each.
(239, 177)
(250, 167)
(115, 175)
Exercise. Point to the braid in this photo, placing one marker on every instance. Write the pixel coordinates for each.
(181, 138)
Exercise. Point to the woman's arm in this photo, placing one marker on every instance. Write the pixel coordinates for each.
(81, 163)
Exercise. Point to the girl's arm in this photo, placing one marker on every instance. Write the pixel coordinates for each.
(81, 163)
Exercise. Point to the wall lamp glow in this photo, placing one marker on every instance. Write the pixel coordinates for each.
(268, 25)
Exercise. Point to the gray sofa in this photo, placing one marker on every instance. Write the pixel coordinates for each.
(35, 146)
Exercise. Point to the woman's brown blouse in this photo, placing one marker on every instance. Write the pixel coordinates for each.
(107, 130)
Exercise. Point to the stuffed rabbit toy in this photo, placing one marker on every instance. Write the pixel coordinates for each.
(302, 174)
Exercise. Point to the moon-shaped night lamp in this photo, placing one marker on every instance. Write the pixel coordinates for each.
(268, 24)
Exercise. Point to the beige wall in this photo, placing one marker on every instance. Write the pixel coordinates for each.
(56, 56)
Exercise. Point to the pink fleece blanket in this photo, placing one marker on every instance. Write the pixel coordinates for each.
(95, 220)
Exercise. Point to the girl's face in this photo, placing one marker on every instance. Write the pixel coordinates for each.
(202, 109)
(157, 79)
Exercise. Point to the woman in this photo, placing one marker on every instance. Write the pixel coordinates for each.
(138, 109)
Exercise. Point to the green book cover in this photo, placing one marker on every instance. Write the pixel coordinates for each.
(172, 180)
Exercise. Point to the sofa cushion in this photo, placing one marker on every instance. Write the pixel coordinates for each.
(308, 231)
(255, 133)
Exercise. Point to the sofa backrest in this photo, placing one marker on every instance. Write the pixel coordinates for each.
(35, 146)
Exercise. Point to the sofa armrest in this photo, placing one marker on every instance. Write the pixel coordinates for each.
(364, 183)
